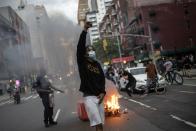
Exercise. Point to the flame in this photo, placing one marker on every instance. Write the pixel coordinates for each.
(113, 104)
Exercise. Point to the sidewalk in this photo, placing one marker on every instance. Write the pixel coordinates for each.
(192, 73)
(4, 97)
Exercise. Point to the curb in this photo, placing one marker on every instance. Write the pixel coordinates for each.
(4, 99)
(194, 78)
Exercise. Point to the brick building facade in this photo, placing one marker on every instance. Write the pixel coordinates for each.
(172, 25)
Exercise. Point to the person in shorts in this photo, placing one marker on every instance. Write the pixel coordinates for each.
(92, 81)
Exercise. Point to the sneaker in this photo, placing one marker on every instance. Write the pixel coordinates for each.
(53, 123)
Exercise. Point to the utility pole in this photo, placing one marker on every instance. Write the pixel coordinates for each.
(118, 43)
(119, 48)
(149, 37)
(150, 40)
(151, 44)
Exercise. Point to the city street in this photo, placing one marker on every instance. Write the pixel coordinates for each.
(97, 49)
(172, 111)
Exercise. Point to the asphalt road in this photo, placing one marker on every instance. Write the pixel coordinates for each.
(174, 111)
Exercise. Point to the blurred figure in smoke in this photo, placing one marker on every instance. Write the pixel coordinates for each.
(92, 81)
(44, 89)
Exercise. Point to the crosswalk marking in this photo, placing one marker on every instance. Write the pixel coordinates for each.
(189, 92)
(23, 99)
(186, 122)
(28, 97)
(57, 115)
(189, 84)
(34, 97)
(140, 103)
(3, 103)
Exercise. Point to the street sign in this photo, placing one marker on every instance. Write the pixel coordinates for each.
(127, 59)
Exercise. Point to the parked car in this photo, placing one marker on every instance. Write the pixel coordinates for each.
(140, 76)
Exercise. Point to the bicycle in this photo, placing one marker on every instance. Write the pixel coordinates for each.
(173, 75)
(154, 85)
(158, 88)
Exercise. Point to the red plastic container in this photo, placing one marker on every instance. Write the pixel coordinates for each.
(82, 114)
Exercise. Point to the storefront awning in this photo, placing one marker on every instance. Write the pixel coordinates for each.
(127, 59)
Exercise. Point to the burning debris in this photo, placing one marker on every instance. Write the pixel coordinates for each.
(125, 111)
(112, 106)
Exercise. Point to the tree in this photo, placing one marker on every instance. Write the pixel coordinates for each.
(106, 49)
(112, 48)
(100, 53)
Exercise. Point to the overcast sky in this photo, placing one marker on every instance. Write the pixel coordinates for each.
(67, 7)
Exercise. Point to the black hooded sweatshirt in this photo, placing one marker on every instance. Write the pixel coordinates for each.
(91, 74)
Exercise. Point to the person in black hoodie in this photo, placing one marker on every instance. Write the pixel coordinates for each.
(130, 87)
(92, 81)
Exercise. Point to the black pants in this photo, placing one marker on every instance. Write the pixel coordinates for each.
(132, 86)
(48, 111)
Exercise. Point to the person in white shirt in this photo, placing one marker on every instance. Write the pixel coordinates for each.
(168, 67)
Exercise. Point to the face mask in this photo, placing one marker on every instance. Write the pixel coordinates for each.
(92, 54)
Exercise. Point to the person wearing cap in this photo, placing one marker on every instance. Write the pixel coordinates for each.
(92, 81)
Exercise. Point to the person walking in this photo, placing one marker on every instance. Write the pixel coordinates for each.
(92, 81)
(45, 90)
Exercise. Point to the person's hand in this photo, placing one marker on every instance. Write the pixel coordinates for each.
(100, 97)
(61, 91)
(87, 25)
